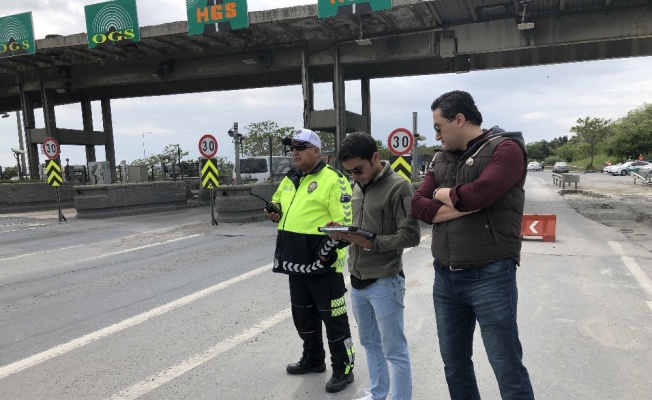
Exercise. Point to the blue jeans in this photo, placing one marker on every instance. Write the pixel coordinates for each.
(489, 295)
(378, 309)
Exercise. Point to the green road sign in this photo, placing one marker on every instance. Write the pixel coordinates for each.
(206, 16)
(331, 8)
(17, 35)
(113, 23)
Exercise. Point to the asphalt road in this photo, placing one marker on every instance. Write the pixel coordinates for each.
(166, 306)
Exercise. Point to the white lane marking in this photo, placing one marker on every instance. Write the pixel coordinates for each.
(633, 267)
(84, 244)
(542, 181)
(137, 248)
(152, 382)
(617, 248)
(117, 327)
(148, 384)
(639, 274)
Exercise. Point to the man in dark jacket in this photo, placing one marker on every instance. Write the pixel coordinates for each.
(473, 194)
(381, 200)
(311, 195)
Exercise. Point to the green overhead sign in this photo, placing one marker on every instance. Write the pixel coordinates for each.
(113, 23)
(332, 8)
(17, 35)
(206, 16)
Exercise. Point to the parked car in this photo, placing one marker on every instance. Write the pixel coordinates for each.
(534, 166)
(621, 168)
(560, 167)
(637, 166)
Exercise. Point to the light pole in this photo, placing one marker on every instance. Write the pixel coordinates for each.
(144, 156)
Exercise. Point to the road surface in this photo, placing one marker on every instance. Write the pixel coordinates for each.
(166, 306)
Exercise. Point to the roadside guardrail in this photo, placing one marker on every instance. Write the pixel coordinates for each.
(646, 180)
(563, 179)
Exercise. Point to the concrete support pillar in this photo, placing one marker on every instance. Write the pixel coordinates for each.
(308, 89)
(49, 116)
(109, 148)
(366, 101)
(87, 120)
(28, 123)
(339, 103)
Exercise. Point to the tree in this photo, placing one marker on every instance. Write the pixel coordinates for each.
(557, 143)
(9, 172)
(537, 151)
(591, 132)
(260, 134)
(632, 134)
(171, 153)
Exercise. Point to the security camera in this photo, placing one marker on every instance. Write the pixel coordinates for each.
(18, 151)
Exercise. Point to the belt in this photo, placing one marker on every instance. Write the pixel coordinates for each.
(444, 267)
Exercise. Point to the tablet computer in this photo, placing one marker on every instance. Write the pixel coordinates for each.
(347, 229)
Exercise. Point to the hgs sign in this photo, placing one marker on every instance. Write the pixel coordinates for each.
(113, 23)
(206, 16)
(17, 35)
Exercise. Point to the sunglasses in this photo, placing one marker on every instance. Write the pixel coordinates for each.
(356, 170)
(438, 127)
(300, 147)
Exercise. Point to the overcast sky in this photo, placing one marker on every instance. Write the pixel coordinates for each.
(542, 102)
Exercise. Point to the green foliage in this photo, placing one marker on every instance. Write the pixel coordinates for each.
(9, 172)
(537, 150)
(555, 143)
(551, 160)
(632, 134)
(170, 154)
(590, 132)
(260, 133)
(383, 150)
(224, 165)
(327, 142)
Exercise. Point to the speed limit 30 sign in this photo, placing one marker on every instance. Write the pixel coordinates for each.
(400, 141)
(208, 146)
(51, 148)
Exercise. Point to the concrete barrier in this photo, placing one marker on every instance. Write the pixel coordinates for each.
(34, 196)
(102, 201)
(563, 179)
(235, 204)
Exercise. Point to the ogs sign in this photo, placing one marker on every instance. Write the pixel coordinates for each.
(17, 35)
(114, 23)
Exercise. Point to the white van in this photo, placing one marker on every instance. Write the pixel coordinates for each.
(256, 169)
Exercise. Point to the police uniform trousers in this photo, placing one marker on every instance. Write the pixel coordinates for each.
(318, 298)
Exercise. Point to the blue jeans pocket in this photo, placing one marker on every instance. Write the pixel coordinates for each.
(495, 269)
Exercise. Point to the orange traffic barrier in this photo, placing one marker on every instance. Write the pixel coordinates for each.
(543, 225)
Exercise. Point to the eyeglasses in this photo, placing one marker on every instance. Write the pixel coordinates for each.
(300, 147)
(438, 127)
(356, 170)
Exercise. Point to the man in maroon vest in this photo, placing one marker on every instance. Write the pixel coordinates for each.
(473, 195)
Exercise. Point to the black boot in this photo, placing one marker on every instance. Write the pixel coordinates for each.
(338, 382)
(304, 367)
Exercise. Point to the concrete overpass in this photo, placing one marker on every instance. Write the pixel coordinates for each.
(292, 46)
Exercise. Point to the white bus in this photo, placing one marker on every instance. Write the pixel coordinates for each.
(257, 170)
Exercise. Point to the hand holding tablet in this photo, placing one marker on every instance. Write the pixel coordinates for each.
(347, 229)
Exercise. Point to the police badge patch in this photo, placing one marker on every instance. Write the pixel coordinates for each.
(312, 187)
(345, 198)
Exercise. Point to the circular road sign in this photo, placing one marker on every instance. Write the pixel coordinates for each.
(400, 141)
(208, 146)
(50, 148)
